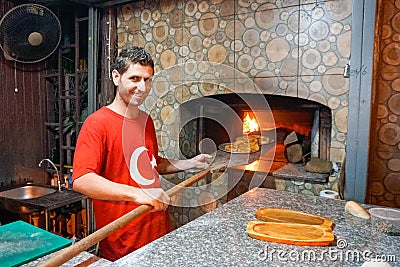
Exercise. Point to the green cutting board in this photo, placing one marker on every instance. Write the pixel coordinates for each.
(21, 242)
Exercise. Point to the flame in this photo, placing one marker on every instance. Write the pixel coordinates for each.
(250, 124)
(252, 166)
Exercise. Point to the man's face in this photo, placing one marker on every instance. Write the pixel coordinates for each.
(134, 85)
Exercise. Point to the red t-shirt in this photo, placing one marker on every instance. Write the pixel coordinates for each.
(115, 147)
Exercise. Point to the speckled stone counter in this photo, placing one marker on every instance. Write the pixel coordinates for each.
(82, 259)
(219, 238)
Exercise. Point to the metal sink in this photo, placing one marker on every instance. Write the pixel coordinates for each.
(27, 192)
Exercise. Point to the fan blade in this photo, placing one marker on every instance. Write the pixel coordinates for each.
(29, 33)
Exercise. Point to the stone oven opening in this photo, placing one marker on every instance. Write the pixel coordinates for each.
(220, 118)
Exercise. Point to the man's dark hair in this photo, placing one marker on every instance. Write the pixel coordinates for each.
(132, 55)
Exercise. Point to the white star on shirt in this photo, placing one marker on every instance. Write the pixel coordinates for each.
(153, 162)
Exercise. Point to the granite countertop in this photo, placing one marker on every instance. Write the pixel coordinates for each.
(82, 259)
(219, 238)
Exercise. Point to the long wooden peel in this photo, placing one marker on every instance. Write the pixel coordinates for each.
(68, 253)
(221, 161)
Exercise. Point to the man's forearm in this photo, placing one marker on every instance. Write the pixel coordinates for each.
(98, 187)
(166, 166)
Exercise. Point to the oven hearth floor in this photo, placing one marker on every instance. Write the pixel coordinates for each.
(276, 165)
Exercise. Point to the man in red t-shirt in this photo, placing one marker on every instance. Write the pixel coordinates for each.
(116, 160)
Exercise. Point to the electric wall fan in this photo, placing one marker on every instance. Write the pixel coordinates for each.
(29, 33)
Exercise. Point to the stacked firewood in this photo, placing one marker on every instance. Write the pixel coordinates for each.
(298, 150)
(297, 147)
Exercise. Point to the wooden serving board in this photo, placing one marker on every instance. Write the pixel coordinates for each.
(290, 233)
(292, 216)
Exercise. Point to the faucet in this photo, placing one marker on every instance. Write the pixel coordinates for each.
(55, 168)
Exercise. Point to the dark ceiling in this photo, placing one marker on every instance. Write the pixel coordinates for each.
(96, 3)
(101, 3)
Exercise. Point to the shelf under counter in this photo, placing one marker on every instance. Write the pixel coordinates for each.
(50, 202)
(61, 199)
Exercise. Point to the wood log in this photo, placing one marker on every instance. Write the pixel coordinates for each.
(296, 146)
(291, 138)
(318, 165)
(294, 153)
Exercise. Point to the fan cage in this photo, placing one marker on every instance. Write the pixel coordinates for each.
(29, 33)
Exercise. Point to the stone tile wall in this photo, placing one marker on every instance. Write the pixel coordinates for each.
(285, 47)
(384, 161)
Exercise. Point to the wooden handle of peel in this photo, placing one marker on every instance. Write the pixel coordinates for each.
(69, 252)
